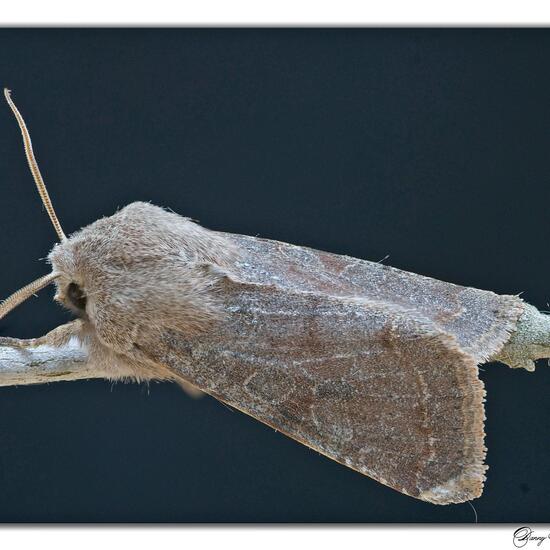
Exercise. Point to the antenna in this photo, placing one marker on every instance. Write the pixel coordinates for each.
(33, 165)
(24, 293)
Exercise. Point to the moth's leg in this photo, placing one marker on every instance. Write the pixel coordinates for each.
(56, 337)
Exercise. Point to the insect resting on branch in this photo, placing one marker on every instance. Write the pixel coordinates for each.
(374, 367)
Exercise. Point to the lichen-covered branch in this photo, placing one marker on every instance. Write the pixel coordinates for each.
(36, 365)
(530, 341)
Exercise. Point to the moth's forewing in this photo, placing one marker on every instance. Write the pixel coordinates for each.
(371, 366)
(365, 385)
(480, 321)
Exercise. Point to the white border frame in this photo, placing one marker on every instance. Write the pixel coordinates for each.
(280, 13)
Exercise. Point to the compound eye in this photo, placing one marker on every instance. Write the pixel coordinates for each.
(76, 296)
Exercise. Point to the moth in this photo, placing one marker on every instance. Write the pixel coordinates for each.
(374, 367)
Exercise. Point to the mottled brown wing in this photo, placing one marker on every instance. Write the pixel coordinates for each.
(480, 321)
(368, 383)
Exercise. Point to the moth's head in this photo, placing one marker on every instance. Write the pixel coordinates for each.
(143, 265)
(141, 269)
(109, 259)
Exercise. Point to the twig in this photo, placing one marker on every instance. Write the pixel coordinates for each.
(44, 363)
(36, 365)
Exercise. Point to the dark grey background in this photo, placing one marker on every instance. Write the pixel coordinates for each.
(431, 146)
